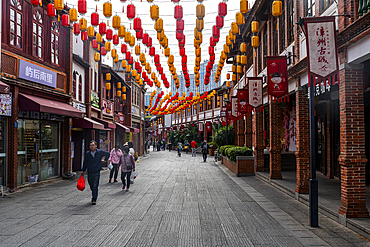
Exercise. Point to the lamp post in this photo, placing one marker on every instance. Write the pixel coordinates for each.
(313, 183)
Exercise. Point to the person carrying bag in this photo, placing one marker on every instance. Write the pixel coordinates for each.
(127, 164)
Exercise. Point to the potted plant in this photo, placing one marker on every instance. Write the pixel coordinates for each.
(212, 148)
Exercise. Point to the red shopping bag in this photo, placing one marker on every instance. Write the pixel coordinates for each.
(81, 183)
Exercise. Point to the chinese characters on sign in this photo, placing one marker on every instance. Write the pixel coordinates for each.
(277, 78)
(35, 73)
(107, 107)
(322, 47)
(255, 91)
(234, 107)
(6, 104)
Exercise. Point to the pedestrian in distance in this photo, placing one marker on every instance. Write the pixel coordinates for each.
(204, 150)
(115, 157)
(193, 148)
(127, 164)
(146, 146)
(154, 146)
(187, 146)
(169, 146)
(179, 148)
(158, 145)
(93, 164)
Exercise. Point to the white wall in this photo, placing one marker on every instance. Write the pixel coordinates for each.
(81, 72)
(78, 47)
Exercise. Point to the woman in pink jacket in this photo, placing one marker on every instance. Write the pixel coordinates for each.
(115, 157)
(127, 164)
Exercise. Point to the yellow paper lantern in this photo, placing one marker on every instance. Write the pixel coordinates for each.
(108, 46)
(137, 50)
(83, 24)
(158, 25)
(238, 59)
(127, 37)
(121, 31)
(239, 69)
(72, 12)
(108, 76)
(119, 85)
(97, 56)
(91, 32)
(132, 41)
(234, 28)
(199, 24)
(255, 41)
(124, 64)
(141, 82)
(128, 69)
(233, 68)
(147, 66)
(124, 89)
(228, 76)
(99, 38)
(134, 73)
(255, 27)
(116, 23)
(244, 59)
(244, 6)
(200, 11)
(277, 8)
(107, 86)
(142, 58)
(243, 47)
(113, 53)
(137, 77)
(107, 9)
(234, 77)
(124, 96)
(59, 5)
(167, 52)
(154, 12)
(239, 19)
(119, 93)
(171, 59)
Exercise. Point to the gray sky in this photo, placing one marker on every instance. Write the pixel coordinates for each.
(166, 12)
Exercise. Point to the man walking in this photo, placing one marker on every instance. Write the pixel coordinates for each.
(204, 150)
(92, 163)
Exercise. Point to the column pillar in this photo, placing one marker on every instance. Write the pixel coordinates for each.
(352, 157)
(13, 143)
(275, 143)
(248, 131)
(258, 142)
(240, 132)
(302, 154)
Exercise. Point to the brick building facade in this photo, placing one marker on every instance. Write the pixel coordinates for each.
(341, 110)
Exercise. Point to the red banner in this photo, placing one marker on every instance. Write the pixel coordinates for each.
(228, 111)
(322, 52)
(234, 107)
(209, 127)
(255, 91)
(277, 78)
(243, 96)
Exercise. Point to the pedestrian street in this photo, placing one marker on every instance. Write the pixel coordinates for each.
(174, 201)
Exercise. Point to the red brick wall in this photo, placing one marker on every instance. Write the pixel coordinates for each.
(303, 155)
(13, 144)
(352, 142)
(275, 143)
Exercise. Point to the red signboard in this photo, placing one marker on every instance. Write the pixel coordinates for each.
(234, 107)
(209, 127)
(243, 98)
(277, 78)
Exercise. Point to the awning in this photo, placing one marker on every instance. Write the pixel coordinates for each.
(134, 130)
(105, 123)
(33, 103)
(122, 128)
(4, 88)
(87, 123)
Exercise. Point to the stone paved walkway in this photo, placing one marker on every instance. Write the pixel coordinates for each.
(174, 202)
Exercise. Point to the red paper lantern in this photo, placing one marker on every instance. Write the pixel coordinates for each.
(211, 50)
(123, 48)
(109, 34)
(216, 39)
(182, 52)
(180, 25)
(160, 70)
(131, 11)
(103, 52)
(102, 28)
(222, 9)
(163, 77)
(137, 24)
(115, 39)
(128, 55)
(139, 35)
(175, 1)
(94, 44)
(84, 36)
(212, 41)
(95, 19)
(35, 2)
(212, 57)
(156, 59)
(51, 10)
(215, 32)
(65, 20)
(82, 7)
(152, 51)
(179, 35)
(139, 70)
(184, 59)
(150, 42)
(137, 65)
(76, 29)
(145, 38)
(182, 42)
(178, 12)
(219, 22)
(131, 61)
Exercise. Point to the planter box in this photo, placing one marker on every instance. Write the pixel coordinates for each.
(211, 152)
(243, 167)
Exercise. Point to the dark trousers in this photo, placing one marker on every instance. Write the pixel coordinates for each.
(126, 175)
(204, 156)
(115, 171)
(93, 179)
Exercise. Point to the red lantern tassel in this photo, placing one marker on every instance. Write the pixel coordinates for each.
(288, 97)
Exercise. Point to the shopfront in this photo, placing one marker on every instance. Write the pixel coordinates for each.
(105, 137)
(40, 135)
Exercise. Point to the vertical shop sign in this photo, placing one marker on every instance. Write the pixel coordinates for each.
(243, 99)
(322, 52)
(277, 79)
(5, 104)
(255, 91)
(234, 107)
(107, 107)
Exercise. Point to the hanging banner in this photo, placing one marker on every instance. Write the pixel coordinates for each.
(243, 98)
(234, 107)
(209, 127)
(200, 127)
(277, 78)
(322, 52)
(228, 110)
(255, 91)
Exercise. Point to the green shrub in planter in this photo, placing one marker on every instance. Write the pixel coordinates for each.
(233, 152)
(222, 150)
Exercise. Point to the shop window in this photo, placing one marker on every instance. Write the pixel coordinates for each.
(55, 42)
(310, 8)
(290, 26)
(37, 34)
(325, 4)
(74, 84)
(80, 88)
(16, 23)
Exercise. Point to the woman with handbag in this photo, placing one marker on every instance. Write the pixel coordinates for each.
(115, 157)
(127, 164)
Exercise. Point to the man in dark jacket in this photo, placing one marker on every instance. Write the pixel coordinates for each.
(204, 150)
(92, 163)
